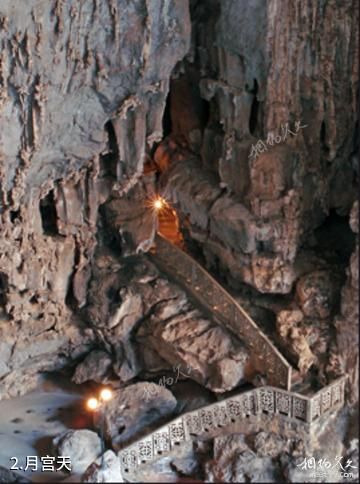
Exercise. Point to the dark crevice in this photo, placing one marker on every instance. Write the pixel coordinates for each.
(253, 121)
(323, 144)
(107, 234)
(70, 299)
(3, 288)
(205, 112)
(166, 121)
(334, 239)
(14, 215)
(113, 295)
(109, 161)
(48, 214)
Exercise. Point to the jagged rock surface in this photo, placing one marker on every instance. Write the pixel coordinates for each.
(133, 409)
(83, 90)
(149, 324)
(274, 199)
(345, 356)
(94, 367)
(82, 446)
(234, 461)
(82, 95)
(256, 217)
(106, 469)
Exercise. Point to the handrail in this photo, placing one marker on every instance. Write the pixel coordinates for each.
(266, 358)
(255, 403)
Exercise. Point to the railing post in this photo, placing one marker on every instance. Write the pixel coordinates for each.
(257, 401)
(309, 410)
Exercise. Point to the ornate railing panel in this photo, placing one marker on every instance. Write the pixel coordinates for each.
(328, 397)
(265, 356)
(255, 403)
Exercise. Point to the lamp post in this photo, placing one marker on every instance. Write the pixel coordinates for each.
(98, 405)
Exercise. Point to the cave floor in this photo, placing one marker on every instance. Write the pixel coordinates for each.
(28, 424)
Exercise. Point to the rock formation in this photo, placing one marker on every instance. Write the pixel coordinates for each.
(83, 89)
(244, 117)
(82, 446)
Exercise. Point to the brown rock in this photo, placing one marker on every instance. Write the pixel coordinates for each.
(234, 461)
(317, 293)
(133, 409)
(82, 446)
(293, 335)
(200, 349)
(94, 367)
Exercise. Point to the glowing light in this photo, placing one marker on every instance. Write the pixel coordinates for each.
(106, 394)
(158, 204)
(92, 404)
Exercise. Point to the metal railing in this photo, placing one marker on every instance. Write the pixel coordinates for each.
(256, 403)
(266, 358)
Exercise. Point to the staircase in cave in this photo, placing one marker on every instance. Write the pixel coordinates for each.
(187, 272)
(169, 226)
(219, 304)
(286, 413)
(275, 406)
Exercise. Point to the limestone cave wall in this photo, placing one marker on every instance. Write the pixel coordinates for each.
(82, 93)
(93, 91)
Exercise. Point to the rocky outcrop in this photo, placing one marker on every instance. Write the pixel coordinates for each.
(133, 409)
(344, 358)
(105, 469)
(294, 336)
(234, 461)
(273, 162)
(260, 139)
(258, 107)
(82, 95)
(148, 324)
(94, 367)
(82, 446)
(205, 351)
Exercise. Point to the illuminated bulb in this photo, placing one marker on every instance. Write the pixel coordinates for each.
(92, 403)
(158, 204)
(106, 394)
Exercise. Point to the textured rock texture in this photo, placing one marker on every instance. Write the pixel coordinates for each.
(273, 158)
(234, 461)
(345, 356)
(106, 470)
(148, 324)
(82, 446)
(82, 95)
(7, 476)
(244, 116)
(133, 409)
(299, 77)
